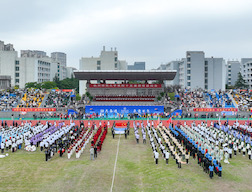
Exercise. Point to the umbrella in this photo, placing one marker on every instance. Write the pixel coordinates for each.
(177, 96)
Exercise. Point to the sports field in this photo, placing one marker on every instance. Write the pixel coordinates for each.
(135, 170)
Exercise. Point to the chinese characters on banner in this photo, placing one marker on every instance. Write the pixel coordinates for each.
(125, 86)
(214, 109)
(33, 109)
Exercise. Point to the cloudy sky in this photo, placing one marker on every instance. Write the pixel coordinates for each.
(142, 30)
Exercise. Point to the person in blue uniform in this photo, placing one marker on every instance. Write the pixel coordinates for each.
(211, 168)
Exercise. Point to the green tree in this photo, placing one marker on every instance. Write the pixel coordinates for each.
(69, 84)
(33, 85)
(240, 83)
(78, 97)
(48, 85)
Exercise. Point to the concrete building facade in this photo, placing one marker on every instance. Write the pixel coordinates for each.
(108, 60)
(246, 70)
(232, 70)
(173, 65)
(32, 66)
(5, 81)
(195, 71)
(8, 61)
(137, 66)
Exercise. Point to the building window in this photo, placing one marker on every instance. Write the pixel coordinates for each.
(188, 83)
(229, 70)
(229, 74)
(98, 67)
(206, 81)
(17, 62)
(115, 58)
(229, 79)
(17, 68)
(188, 65)
(188, 59)
(17, 80)
(206, 63)
(206, 68)
(229, 66)
(206, 87)
(98, 62)
(206, 74)
(58, 66)
(188, 71)
(58, 71)
(188, 77)
(115, 65)
(17, 75)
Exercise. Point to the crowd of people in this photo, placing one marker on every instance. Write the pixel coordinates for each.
(191, 99)
(188, 100)
(8, 100)
(219, 99)
(57, 99)
(243, 99)
(32, 98)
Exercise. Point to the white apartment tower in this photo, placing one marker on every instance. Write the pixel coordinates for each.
(195, 71)
(8, 62)
(246, 70)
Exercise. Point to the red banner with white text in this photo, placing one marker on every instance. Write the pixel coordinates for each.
(33, 109)
(214, 109)
(125, 86)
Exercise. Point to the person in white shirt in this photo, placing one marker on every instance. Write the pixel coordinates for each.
(91, 153)
(144, 138)
(137, 138)
(249, 154)
(167, 155)
(2, 147)
(235, 149)
(244, 151)
(41, 145)
(156, 155)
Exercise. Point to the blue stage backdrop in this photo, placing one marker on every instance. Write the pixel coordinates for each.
(112, 111)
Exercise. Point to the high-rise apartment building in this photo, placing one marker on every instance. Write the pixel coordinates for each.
(232, 70)
(8, 60)
(32, 66)
(195, 71)
(246, 70)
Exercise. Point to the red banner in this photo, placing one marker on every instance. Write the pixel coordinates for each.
(121, 124)
(33, 109)
(64, 90)
(125, 86)
(214, 109)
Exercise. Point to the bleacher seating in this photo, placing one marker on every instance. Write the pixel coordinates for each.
(219, 100)
(243, 99)
(8, 100)
(57, 99)
(32, 98)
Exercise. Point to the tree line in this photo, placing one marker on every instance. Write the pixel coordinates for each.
(68, 83)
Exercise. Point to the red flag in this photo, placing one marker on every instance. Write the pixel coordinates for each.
(169, 121)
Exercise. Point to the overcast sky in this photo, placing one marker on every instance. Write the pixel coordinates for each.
(142, 30)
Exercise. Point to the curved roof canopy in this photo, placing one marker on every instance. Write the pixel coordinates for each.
(125, 74)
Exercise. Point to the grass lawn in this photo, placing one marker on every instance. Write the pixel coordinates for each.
(135, 171)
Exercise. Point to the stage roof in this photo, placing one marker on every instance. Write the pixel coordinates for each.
(125, 74)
